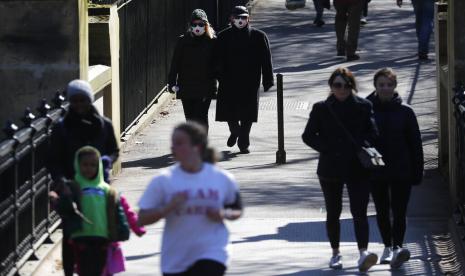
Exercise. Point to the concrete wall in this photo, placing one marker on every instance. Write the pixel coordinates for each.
(41, 48)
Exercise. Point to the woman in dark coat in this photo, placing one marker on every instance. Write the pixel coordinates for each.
(401, 146)
(338, 163)
(192, 72)
(244, 56)
(81, 126)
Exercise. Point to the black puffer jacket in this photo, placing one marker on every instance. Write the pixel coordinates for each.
(193, 68)
(399, 141)
(338, 159)
(73, 132)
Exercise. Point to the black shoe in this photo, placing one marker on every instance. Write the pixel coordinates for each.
(232, 140)
(353, 57)
(422, 56)
(341, 53)
(244, 150)
(318, 22)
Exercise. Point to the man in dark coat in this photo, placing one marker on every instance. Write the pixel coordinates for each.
(81, 126)
(244, 56)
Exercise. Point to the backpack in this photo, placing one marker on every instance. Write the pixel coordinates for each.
(118, 226)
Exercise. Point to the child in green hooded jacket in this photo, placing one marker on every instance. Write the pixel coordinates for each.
(91, 240)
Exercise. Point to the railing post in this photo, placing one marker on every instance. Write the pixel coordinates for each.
(281, 153)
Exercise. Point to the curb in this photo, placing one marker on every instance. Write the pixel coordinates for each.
(46, 257)
(146, 119)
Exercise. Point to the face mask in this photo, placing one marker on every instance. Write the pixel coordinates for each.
(197, 30)
(240, 23)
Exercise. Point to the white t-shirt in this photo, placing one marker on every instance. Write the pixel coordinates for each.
(189, 235)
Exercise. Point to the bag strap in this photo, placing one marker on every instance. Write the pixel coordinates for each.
(346, 132)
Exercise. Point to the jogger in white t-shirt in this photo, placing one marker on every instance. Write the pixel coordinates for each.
(194, 196)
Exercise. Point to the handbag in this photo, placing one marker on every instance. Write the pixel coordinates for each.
(295, 4)
(369, 157)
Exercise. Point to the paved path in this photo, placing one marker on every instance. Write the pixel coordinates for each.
(282, 232)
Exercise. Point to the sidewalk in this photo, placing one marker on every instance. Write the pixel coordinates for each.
(283, 229)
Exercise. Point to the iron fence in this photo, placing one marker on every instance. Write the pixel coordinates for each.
(459, 114)
(26, 220)
(148, 33)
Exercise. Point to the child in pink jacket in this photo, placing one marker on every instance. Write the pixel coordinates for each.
(115, 258)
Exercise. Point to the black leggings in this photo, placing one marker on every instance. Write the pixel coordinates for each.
(384, 193)
(202, 268)
(359, 194)
(196, 110)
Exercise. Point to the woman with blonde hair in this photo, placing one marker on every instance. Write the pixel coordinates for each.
(192, 72)
(331, 122)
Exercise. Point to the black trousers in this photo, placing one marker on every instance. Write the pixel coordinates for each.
(391, 197)
(202, 268)
(359, 194)
(67, 254)
(196, 110)
(241, 129)
(347, 16)
(91, 255)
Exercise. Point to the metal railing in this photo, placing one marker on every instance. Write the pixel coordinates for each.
(459, 114)
(26, 220)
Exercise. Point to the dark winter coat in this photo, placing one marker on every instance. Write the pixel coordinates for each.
(193, 68)
(338, 160)
(399, 141)
(244, 56)
(73, 132)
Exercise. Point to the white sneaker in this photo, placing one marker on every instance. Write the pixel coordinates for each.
(335, 262)
(367, 260)
(400, 256)
(363, 21)
(387, 256)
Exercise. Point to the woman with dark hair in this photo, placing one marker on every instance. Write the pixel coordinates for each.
(192, 72)
(331, 121)
(401, 146)
(195, 197)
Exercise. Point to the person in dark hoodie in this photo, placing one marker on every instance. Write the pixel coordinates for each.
(338, 164)
(81, 126)
(244, 56)
(192, 72)
(401, 146)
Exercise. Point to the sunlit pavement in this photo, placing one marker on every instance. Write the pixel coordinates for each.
(283, 232)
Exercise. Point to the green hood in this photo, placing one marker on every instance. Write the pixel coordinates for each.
(94, 193)
(79, 178)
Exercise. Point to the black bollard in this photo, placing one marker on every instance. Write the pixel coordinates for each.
(281, 153)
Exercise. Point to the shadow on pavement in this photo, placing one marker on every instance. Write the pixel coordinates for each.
(150, 163)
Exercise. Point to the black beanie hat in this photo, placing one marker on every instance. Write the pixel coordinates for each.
(199, 14)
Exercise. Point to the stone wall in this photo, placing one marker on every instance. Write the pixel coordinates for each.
(39, 51)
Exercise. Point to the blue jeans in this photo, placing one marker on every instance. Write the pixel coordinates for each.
(424, 14)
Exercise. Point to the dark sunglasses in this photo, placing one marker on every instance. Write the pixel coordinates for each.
(241, 17)
(339, 85)
(198, 24)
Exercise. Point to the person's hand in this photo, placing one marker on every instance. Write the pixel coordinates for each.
(53, 196)
(266, 87)
(176, 201)
(174, 89)
(399, 3)
(215, 215)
